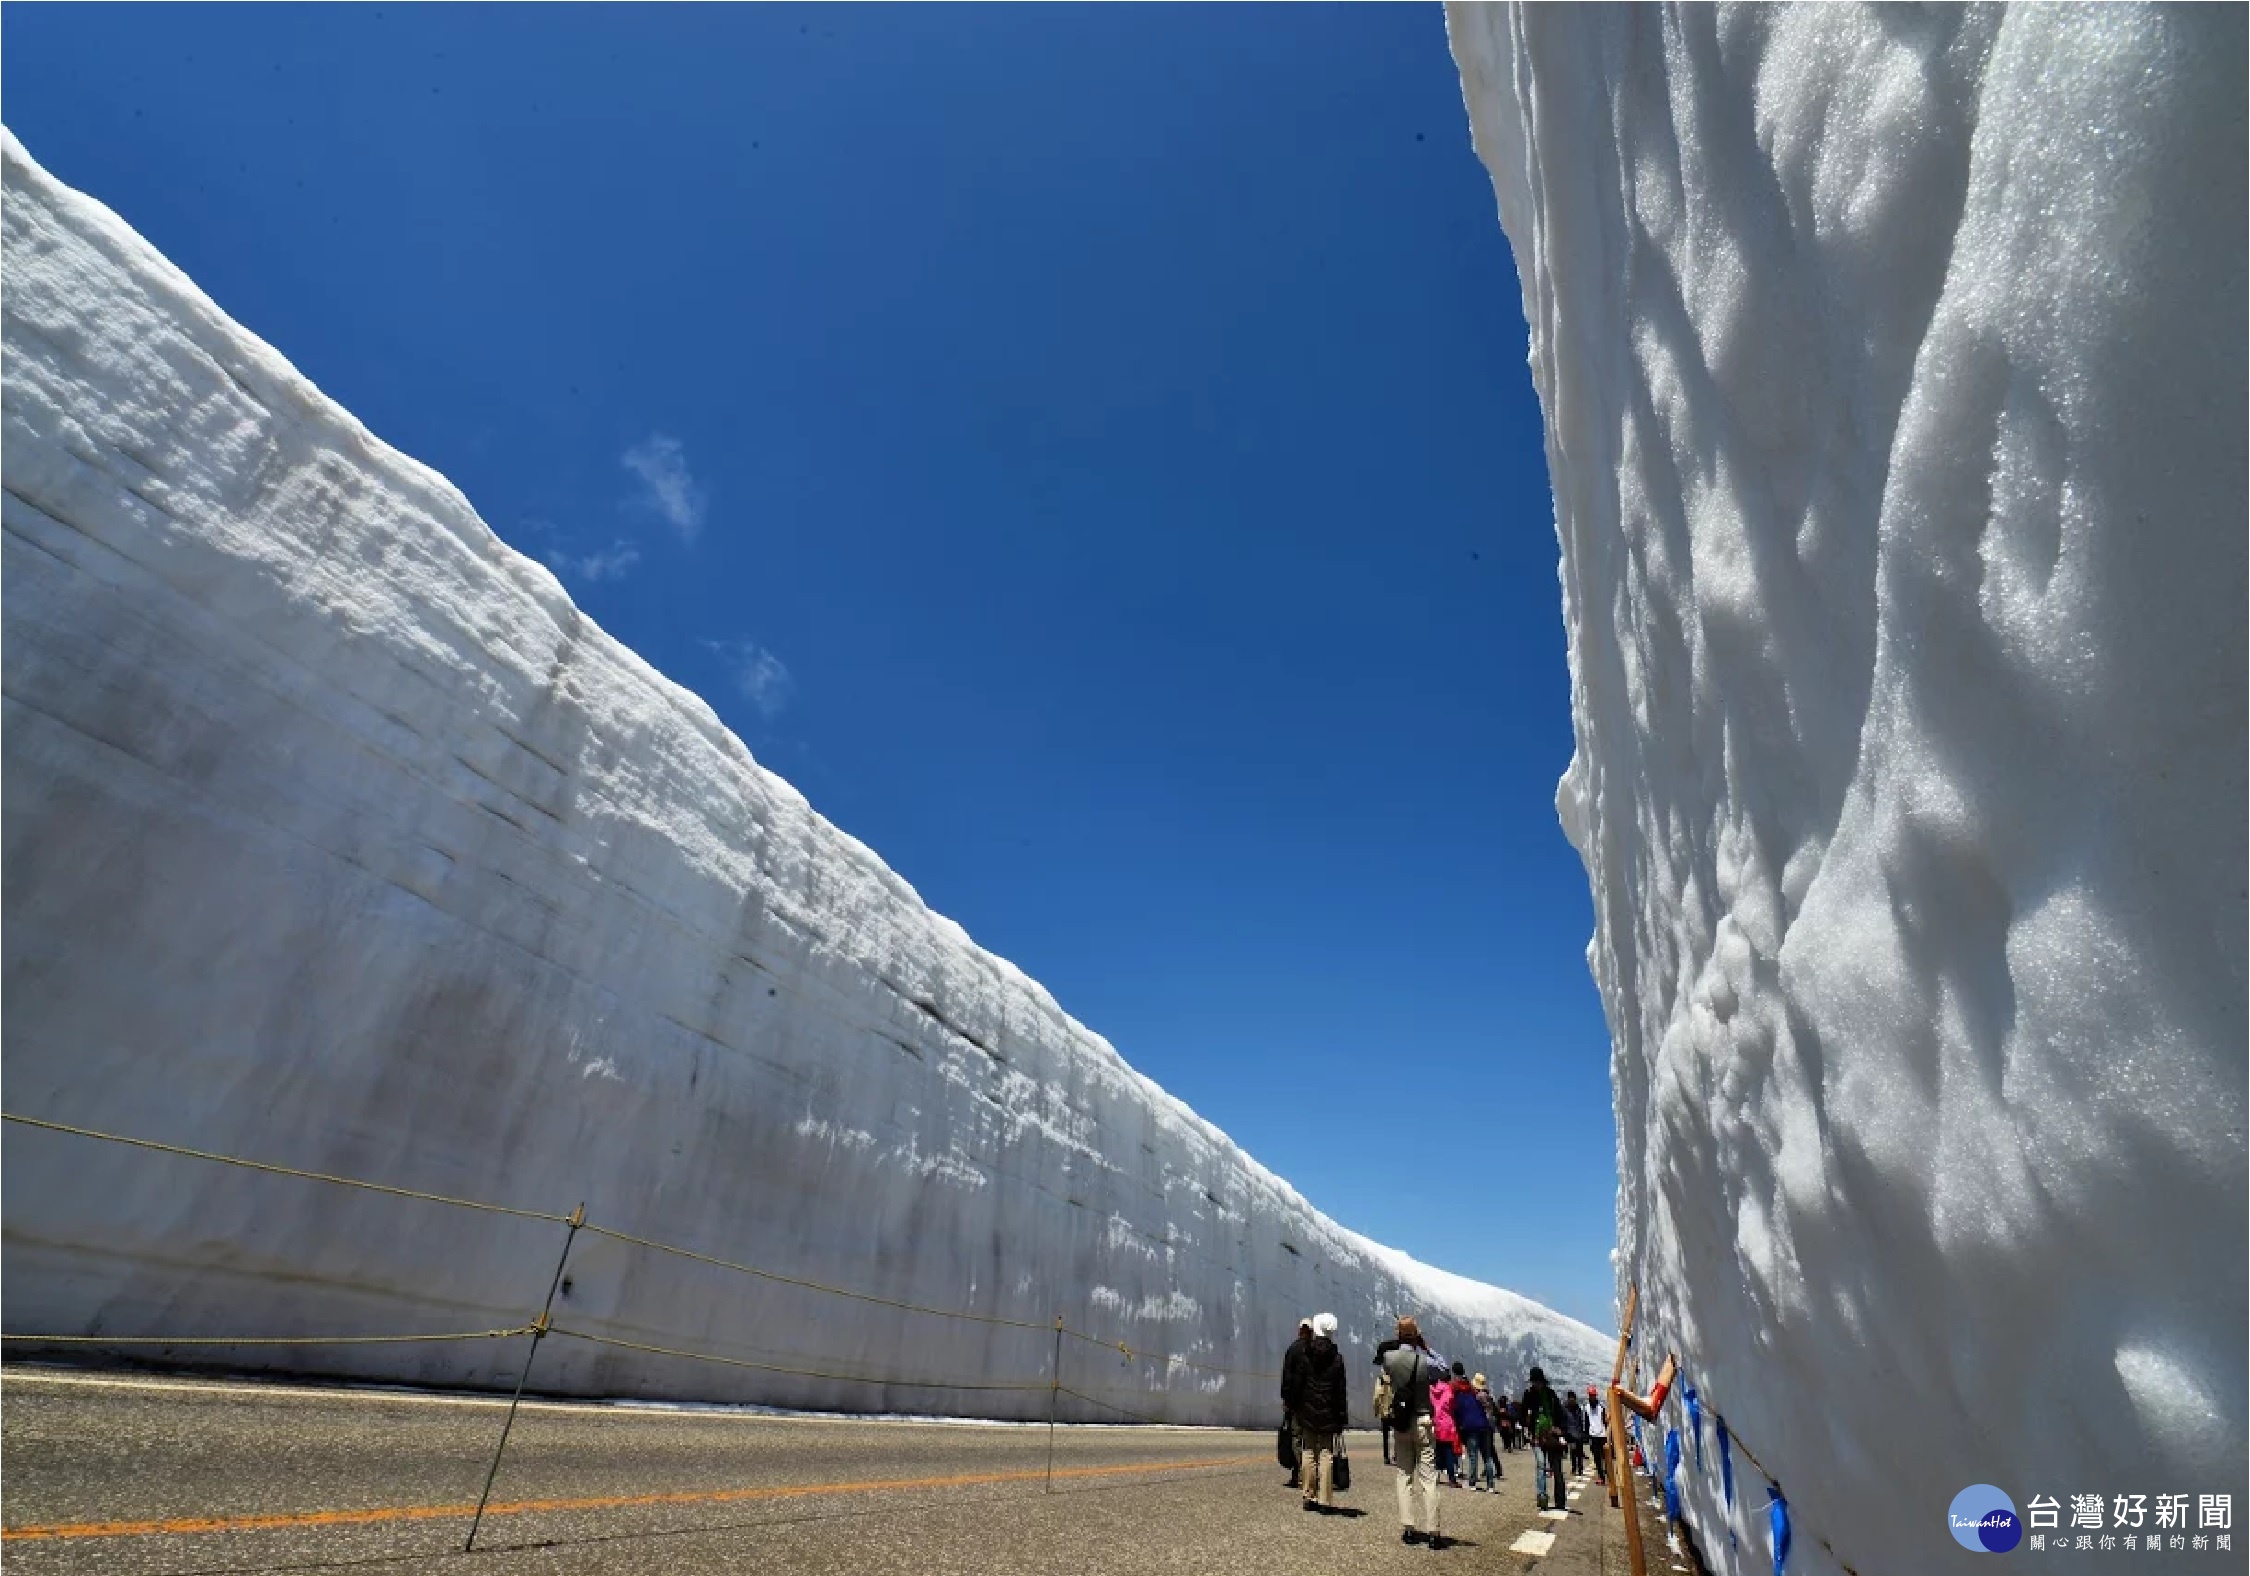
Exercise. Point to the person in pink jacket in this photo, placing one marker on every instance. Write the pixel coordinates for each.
(1448, 1432)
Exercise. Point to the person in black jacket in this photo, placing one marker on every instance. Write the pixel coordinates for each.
(1543, 1420)
(1323, 1412)
(1574, 1432)
(1292, 1391)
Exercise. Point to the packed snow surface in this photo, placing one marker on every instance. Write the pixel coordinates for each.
(337, 837)
(1893, 368)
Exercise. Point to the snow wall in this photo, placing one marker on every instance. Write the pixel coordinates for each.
(1893, 368)
(336, 836)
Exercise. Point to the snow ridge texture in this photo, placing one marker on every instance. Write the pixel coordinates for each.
(1893, 369)
(336, 836)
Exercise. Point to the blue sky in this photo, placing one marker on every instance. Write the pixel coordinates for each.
(1089, 451)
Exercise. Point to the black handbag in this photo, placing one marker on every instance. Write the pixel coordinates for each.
(1340, 1469)
(1285, 1447)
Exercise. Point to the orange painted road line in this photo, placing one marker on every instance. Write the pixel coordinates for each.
(183, 1525)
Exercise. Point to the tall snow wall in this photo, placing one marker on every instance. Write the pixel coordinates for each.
(336, 837)
(1893, 368)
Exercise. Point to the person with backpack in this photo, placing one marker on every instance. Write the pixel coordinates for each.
(1292, 1389)
(1407, 1363)
(1383, 1407)
(1323, 1413)
(1543, 1421)
(1574, 1432)
(1475, 1424)
(1597, 1434)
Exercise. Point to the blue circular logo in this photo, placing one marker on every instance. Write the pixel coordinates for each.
(1983, 1520)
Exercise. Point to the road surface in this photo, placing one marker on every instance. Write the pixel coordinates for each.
(146, 1476)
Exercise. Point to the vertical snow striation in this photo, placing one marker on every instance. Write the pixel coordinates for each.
(1893, 368)
(337, 836)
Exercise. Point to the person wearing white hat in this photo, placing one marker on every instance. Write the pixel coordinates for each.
(1323, 1413)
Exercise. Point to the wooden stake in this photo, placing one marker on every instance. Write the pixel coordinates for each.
(1617, 1373)
(1621, 1475)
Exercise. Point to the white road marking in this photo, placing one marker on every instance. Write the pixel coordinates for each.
(1533, 1543)
(1556, 1515)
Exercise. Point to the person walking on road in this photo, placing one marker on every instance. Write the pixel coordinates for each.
(1323, 1412)
(1478, 1426)
(1292, 1388)
(1597, 1434)
(1448, 1428)
(1468, 1419)
(1410, 1368)
(1543, 1420)
(1383, 1407)
(1574, 1432)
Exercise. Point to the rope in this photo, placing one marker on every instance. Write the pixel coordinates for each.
(1139, 1417)
(287, 1171)
(262, 1340)
(1166, 1358)
(1735, 1439)
(813, 1285)
(807, 1373)
(1123, 1348)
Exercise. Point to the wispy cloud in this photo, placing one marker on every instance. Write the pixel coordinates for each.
(670, 490)
(756, 673)
(614, 562)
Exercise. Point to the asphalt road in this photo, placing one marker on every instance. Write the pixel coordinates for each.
(139, 1476)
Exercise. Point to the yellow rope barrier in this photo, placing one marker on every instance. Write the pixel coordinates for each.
(287, 1171)
(813, 1285)
(806, 1373)
(258, 1340)
(650, 1243)
(1111, 1406)
(1130, 1355)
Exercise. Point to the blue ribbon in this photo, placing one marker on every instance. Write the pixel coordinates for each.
(1671, 1474)
(1778, 1517)
(1695, 1423)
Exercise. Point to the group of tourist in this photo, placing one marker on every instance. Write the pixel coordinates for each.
(1445, 1419)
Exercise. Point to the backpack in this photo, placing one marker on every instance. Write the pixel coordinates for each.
(1401, 1411)
(1544, 1428)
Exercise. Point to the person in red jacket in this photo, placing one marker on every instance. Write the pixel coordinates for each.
(1448, 1429)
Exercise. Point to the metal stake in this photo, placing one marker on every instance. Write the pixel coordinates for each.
(1054, 1394)
(538, 1331)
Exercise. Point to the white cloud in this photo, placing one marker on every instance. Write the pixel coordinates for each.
(757, 674)
(661, 464)
(613, 563)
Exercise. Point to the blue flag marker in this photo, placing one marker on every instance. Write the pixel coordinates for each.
(1695, 1423)
(1779, 1518)
(1671, 1474)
